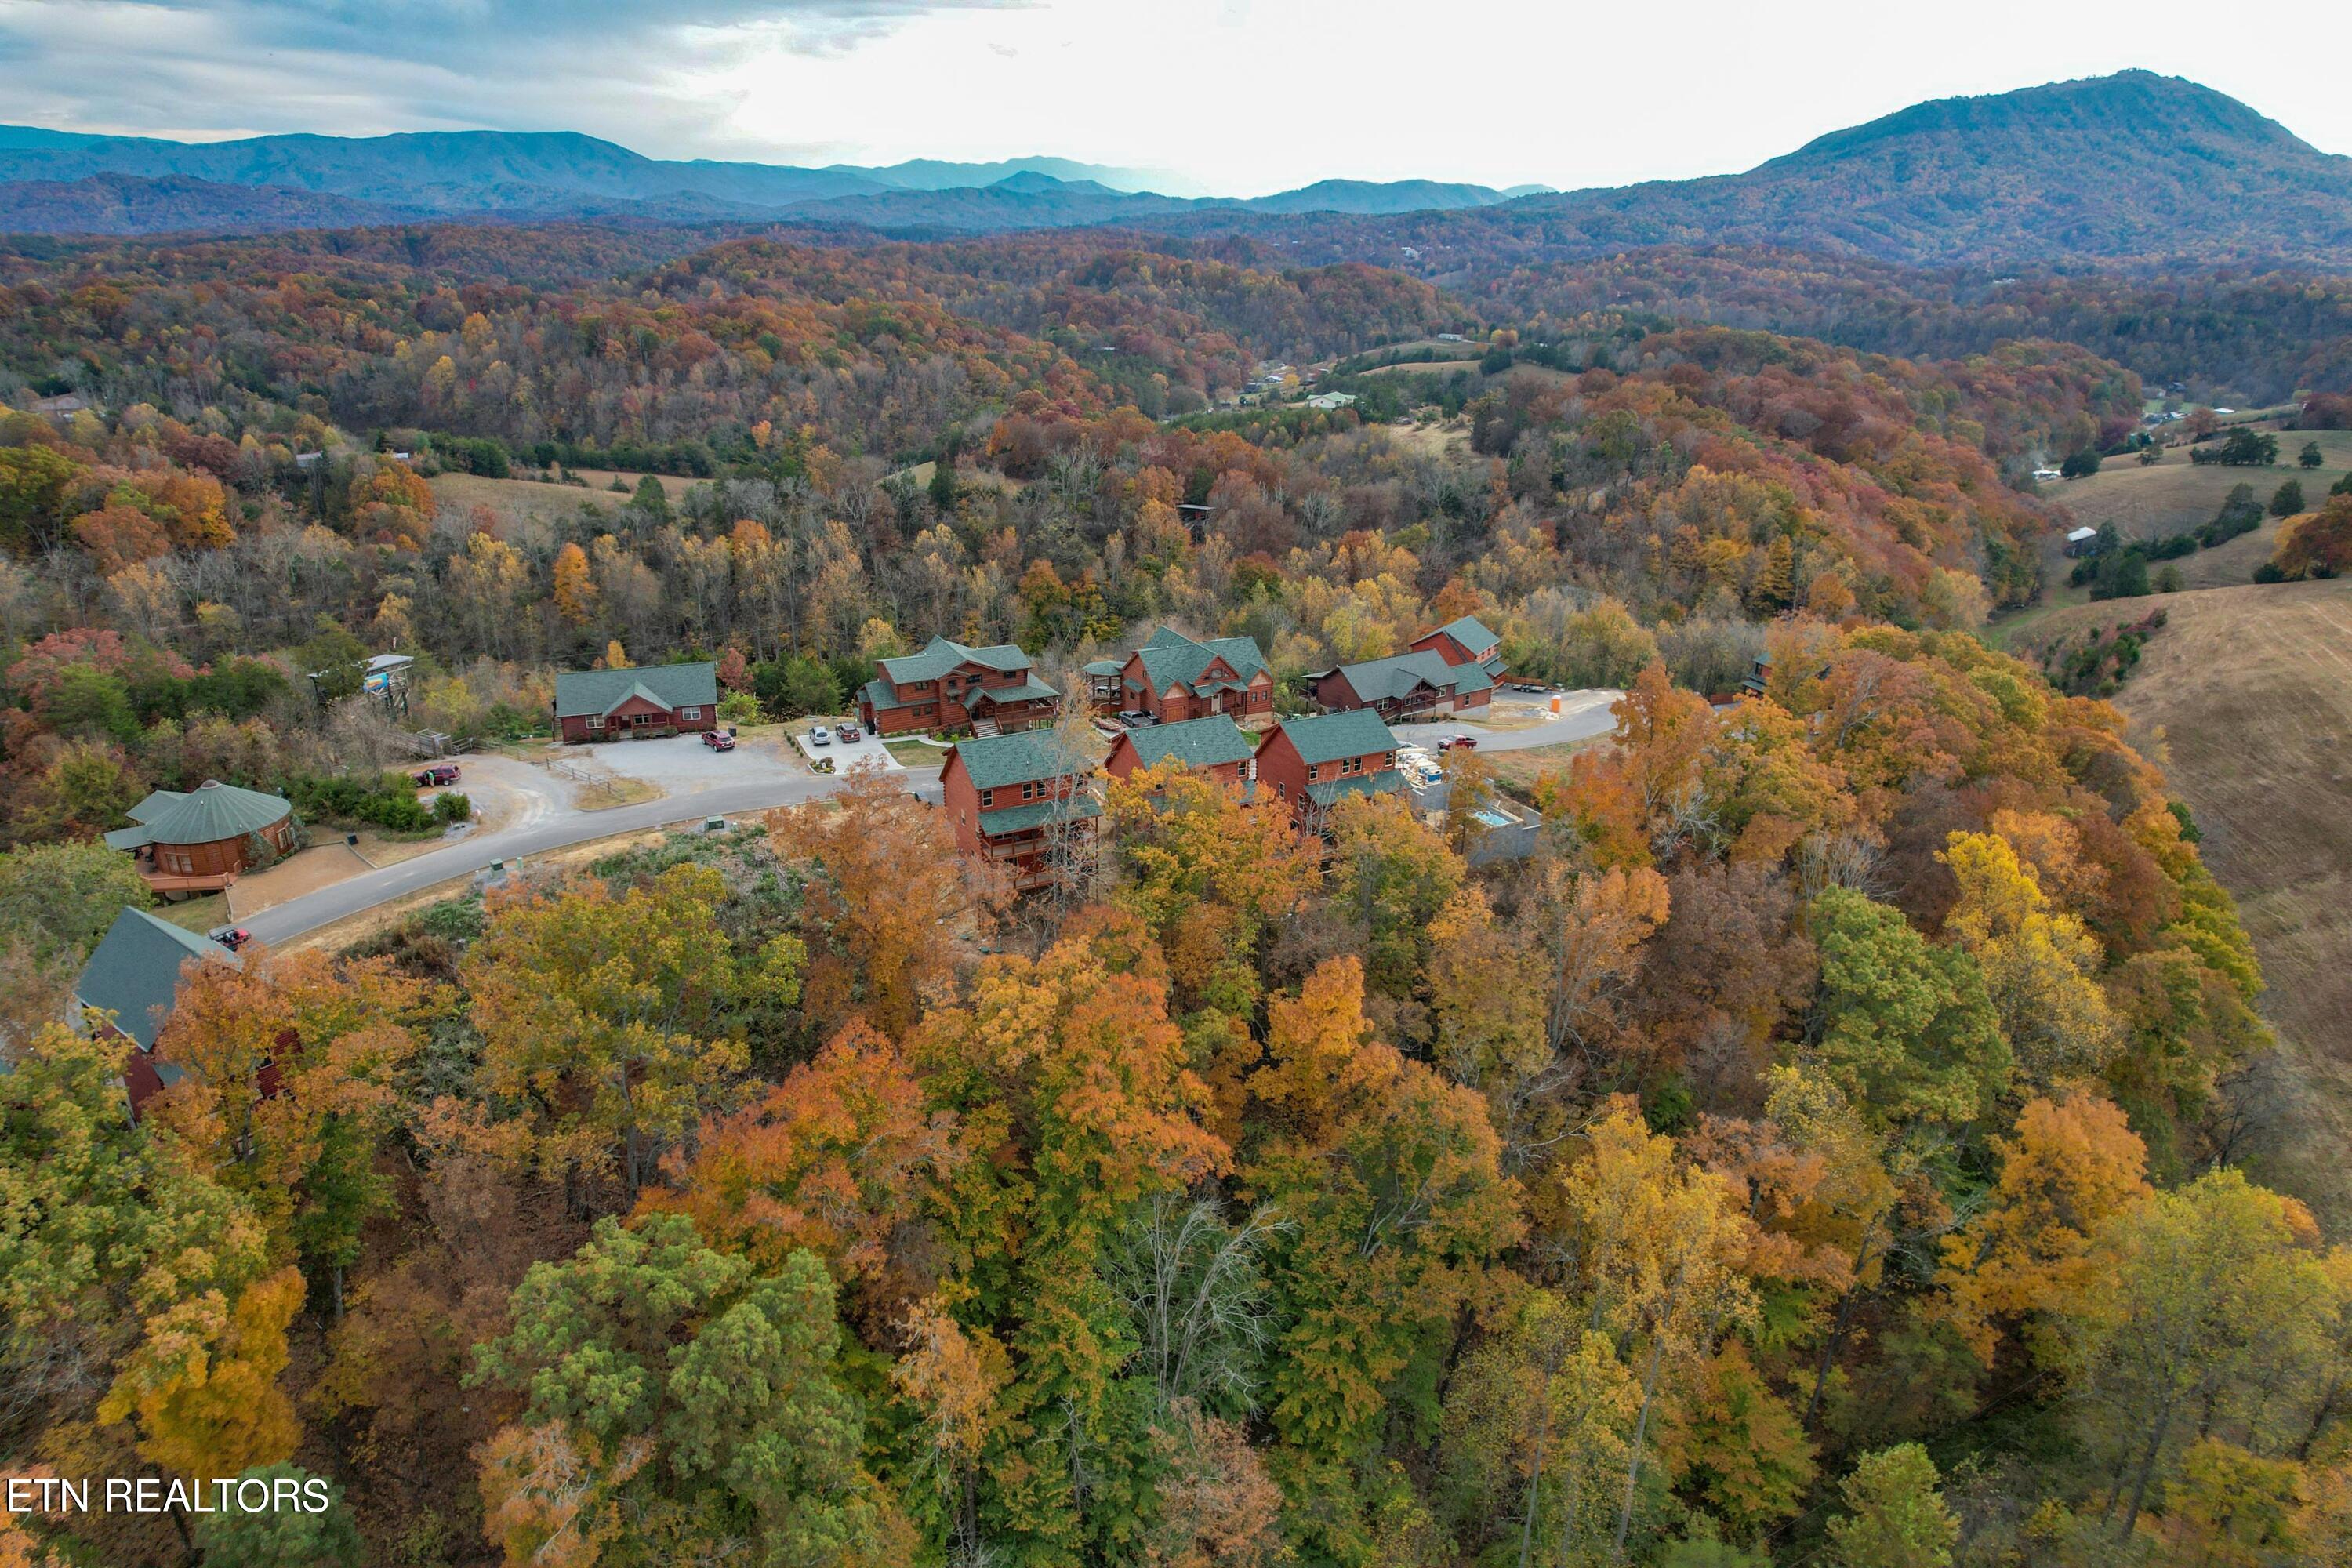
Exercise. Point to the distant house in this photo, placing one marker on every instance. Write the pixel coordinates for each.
(2083, 542)
(2043, 476)
(60, 405)
(1332, 400)
(199, 841)
(1015, 799)
(654, 699)
(948, 686)
(1464, 640)
(129, 986)
(1173, 678)
(1311, 765)
(1451, 338)
(1215, 746)
(1404, 685)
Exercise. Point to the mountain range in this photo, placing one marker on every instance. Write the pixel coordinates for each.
(2129, 166)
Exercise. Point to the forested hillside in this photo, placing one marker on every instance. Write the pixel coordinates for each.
(1825, 1146)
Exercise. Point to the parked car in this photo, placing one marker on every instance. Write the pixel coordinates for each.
(232, 937)
(437, 776)
(719, 739)
(1136, 719)
(820, 736)
(1462, 742)
(849, 732)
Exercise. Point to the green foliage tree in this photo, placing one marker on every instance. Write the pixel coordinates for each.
(2287, 499)
(720, 1393)
(1895, 1516)
(794, 686)
(59, 899)
(2311, 457)
(1907, 1029)
(279, 1536)
(2080, 463)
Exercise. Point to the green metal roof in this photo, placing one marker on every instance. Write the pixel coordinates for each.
(1471, 633)
(940, 655)
(1078, 807)
(995, 761)
(1327, 792)
(878, 691)
(1195, 743)
(1171, 658)
(1103, 666)
(1325, 738)
(210, 812)
(155, 804)
(1397, 674)
(581, 693)
(135, 972)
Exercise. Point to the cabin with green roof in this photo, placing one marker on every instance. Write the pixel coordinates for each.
(1215, 746)
(129, 985)
(1311, 765)
(1174, 678)
(636, 703)
(201, 840)
(949, 686)
(1466, 641)
(1404, 685)
(1020, 801)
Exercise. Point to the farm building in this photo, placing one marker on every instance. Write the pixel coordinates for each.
(1314, 763)
(199, 841)
(657, 699)
(128, 987)
(1014, 800)
(2083, 542)
(948, 686)
(1173, 678)
(1216, 746)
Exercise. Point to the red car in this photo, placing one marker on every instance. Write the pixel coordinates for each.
(435, 777)
(719, 739)
(1462, 742)
(232, 937)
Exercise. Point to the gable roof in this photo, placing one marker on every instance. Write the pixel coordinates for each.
(135, 972)
(1399, 673)
(580, 694)
(940, 655)
(1171, 658)
(1471, 633)
(1327, 737)
(1078, 806)
(1330, 792)
(206, 813)
(994, 761)
(1195, 743)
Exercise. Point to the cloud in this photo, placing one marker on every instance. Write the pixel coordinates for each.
(635, 71)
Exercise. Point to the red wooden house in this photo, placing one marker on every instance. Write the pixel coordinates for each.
(1018, 801)
(1215, 746)
(129, 986)
(1464, 641)
(1312, 764)
(949, 686)
(1174, 678)
(1404, 685)
(202, 840)
(636, 703)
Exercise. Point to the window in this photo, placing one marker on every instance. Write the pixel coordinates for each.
(987, 798)
(1314, 769)
(1029, 792)
(595, 722)
(689, 713)
(1281, 789)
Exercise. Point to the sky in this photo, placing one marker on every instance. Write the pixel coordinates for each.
(1226, 97)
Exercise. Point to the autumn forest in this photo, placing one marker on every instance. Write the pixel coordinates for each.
(1831, 1143)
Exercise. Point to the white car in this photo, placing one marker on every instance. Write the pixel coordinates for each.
(820, 736)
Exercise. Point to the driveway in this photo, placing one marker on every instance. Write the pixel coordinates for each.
(1582, 715)
(847, 754)
(682, 764)
(556, 830)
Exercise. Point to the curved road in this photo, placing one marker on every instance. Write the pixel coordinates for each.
(472, 853)
(1583, 714)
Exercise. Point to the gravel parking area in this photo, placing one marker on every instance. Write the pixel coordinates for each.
(845, 755)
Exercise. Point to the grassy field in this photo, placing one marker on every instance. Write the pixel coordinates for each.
(2246, 697)
(524, 498)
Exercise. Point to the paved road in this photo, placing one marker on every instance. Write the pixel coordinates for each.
(471, 854)
(1582, 715)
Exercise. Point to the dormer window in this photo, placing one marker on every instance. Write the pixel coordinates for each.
(987, 798)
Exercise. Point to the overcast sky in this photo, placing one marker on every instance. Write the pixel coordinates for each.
(1236, 97)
